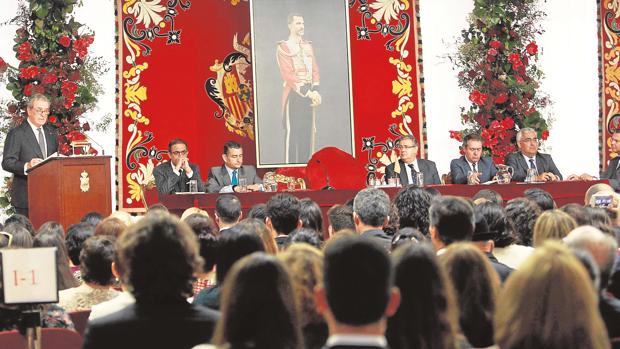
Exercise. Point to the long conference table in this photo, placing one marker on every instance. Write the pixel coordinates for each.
(563, 193)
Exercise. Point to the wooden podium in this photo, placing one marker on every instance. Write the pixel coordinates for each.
(64, 189)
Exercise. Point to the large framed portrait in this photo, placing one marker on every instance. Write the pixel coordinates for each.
(302, 79)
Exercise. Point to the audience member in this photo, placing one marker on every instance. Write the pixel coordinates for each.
(600, 219)
(433, 192)
(370, 214)
(392, 226)
(427, 315)
(259, 228)
(340, 217)
(282, 213)
(258, 211)
(305, 265)
(51, 239)
(488, 195)
(259, 309)
(543, 199)
(96, 271)
(123, 216)
(193, 210)
(76, 235)
(549, 303)
(553, 224)
(305, 235)
(157, 208)
(22, 220)
(357, 295)
(595, 189)
(310, 215)
(92, 218)
(406, 236)
(451, 219)
(158, 257)
(5, 239)
(110, 226)
(579, 213)
(413, 204)
(52, 227)
(227, 211)
(476, 285)
(21, 237)
(232, 246)
(483, 239)
(522, 213)
(206, 233)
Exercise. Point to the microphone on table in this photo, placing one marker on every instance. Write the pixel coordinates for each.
(326, 174)
(94, 141)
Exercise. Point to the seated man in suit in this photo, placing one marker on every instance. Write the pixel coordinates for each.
(225, 178)
(409, 165)
(357, 294)
(612, 173)
(528, 157)
(472, 168)
(26, 146)
(174, 176)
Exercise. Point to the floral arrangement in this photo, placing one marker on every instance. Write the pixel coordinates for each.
(496, 63)
(53, 52)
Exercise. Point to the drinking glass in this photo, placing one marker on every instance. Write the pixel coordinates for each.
(243, 184)
(193, 186)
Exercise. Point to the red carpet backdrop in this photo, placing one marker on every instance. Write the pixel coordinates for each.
(609, 24)
(184, 70)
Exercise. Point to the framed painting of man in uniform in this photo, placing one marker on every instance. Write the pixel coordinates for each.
(302, 79)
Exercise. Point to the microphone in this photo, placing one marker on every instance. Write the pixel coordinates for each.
(326, 174)
(92, 140)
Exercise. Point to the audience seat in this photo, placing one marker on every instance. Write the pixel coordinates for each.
(51, 338)
(80, 320)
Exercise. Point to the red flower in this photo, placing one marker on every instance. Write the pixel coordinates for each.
(24, 51)
(508, 123)
(492, 52)
(544, 135)
(495, 44)
(456, 135)
(64, 148)
(517, 65)
(28, 90)
(64, 41)
(478, 97)
(80, 46)
(513, 58)
(490, 58)
(531, 48)
(68, 88)
(3, 65)
(501, 98)
(29, 73)
(52, 119)
(74, 75)
(50, 79)
(519, 79)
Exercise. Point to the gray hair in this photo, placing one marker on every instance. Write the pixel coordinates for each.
(372, 205)
(600, 245)
(411, 137)
(522, 131)
(37, 97)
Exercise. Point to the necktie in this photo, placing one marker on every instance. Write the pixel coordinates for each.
(234, 180)
(41, 140)
(473, 166)
(414, 173)
(532, 164)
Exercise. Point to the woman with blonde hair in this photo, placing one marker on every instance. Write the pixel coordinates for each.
(259, 228)
(549, 303)
(305, 265)
(476, 285)
(552, 225)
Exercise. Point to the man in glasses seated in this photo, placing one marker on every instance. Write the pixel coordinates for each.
(174, 176)
(409, 166)
(528, 157)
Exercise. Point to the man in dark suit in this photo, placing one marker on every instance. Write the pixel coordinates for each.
(472, 168)
(157, 258)
(451, 219)
(371, 207)
(408, 166)
(528, 157)
(612, 173)
(227, 212)
(174, 176)
(26, 146)
(357, 295)
(225, 178)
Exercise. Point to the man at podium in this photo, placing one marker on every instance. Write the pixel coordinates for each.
(174, 176)
(26, 146)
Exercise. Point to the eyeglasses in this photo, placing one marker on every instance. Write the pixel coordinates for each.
(8, 236)
(177, 153)
(407, 146)
(41, 111)
(529, 140)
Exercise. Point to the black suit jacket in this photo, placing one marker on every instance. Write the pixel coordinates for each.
(544, 163)
(379, 236)
(168, 182)
(460, 167)
(179, 326)
(612, 173)
(21, 146)
(427, 167)
(219, 178)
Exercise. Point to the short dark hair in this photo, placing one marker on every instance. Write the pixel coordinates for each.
(413, 204)
(351, 261)
(157, 207)
(453, 217)
(206, 233)
(489, 195)
(543, 199)
(92, 218)
(96, 260)
(472, 137)
(410, 137)
(228, 208)
(500, 228)
(23, 221)
(230, 145)
(579, 213)
(234, 245)
(258, 211)
(76, 235)
(372, 206)
(523, 213)
(305, 235)
(176, 141)
(283, 210)
(310, 215)
(406, 236)
(341, 217)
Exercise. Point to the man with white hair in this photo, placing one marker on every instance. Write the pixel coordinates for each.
(603, 249)
(528, 157)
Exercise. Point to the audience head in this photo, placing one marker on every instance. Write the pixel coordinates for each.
(476, 284)
(52, 227)
(433, 192)
(406, 236)
(579, 213)
(23, 221)
(310, 215)
(451, 219)
(600, 219)
(282, 213)
(96, 260)
(6, 239)
(227, 210)
(500, 227)
(237, 243)
(595, 189)
(157, 259)
(76, 235)
(602, 247)
(52, 239)
(427, 316)
(123, 216)
(207, 235)
(193, 210)
(110, 226)
(256, 226)
(553, 224)
(543, 199)
(258, 306)
(489, 195)
(340, 217)
(305, 235)
(392, 226)
(523, 213)
(22, 238)
(413, 204)
(588, 262)
(349, 263)
(158, 207)
(258, 211)
(371, 208)
(549, 302)
(92, 218)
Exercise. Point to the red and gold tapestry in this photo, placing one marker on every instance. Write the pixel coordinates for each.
(172, 52)
(609, 53)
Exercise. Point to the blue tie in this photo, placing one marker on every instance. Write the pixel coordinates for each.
(234, 180)
(532, 164)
